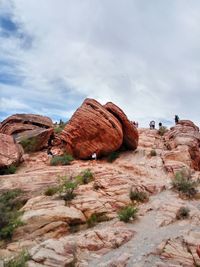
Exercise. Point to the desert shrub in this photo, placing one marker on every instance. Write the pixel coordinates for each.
(66, 188)
(29, 144)
(183, 213)
(9, 170)
(92, 220)
(10, 203)
(85, 177)
(153, 153)
(19, 261)
(183, 184)
(61, 160)
(112, 156)
(50, 191)
(127, 213)
(162, 130)
(140, 196)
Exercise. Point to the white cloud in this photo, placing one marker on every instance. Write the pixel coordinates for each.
(144, 56)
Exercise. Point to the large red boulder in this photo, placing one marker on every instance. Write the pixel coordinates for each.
(130, 133)
(10, 152)
(91, 129)
(24, 122)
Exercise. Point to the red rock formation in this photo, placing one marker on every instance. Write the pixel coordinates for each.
(92, 129)
(24, 122)
(38, 138)
(10, 153)
(198, 251)
(130, 133)
(183, 142)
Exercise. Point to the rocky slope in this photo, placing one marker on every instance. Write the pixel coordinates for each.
(56, 232)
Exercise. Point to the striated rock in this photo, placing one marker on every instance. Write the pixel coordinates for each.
(46, 218)
(183, 141)
(92, 129)
(10, 152)
(79, 248)
(23, 122)
(182, 250)
(34, 140)
(130, 133)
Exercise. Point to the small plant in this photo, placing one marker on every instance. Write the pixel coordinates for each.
(140, 196)
(61, 160)
(184, 184)
(10, 203)
(162, 130)
(9, 170)
(19, 261)
(85, 177)
(126, 213)
(112, 156)
(67, 188)
(50, 191)
(183, 213)
(92, 221)
(153, 153)
(29, 144)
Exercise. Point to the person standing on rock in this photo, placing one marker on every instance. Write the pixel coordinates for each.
(152, 125)
(176, 119)
(94, 156)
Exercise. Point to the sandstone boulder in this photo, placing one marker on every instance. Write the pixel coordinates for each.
(130, 133)
(23, 122)
(182, 142)
(92, 129)
(10, 152)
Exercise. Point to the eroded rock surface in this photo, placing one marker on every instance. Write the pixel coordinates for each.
(182, 142)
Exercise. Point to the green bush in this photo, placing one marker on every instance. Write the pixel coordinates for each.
(19, 261)
(162, 130)
(85, 177)
(61, 160)
(9, 170)
(140, 196)
(66, 189)
(112, 156)
(183, 213)
(126, 213)
(182, 183)
(29, 144)
(92, 221)
(10, 203)
(50, 191)
(153, 153)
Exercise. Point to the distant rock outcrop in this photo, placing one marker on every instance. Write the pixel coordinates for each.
(97, 128)
(34, 130)
(10, 153)
(24, 122)
(183, 144)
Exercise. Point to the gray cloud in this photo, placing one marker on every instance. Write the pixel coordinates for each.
(142, 55)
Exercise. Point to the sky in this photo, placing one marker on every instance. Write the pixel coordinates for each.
(142, 55)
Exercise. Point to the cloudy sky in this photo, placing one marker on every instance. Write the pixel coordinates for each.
(142, 55)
